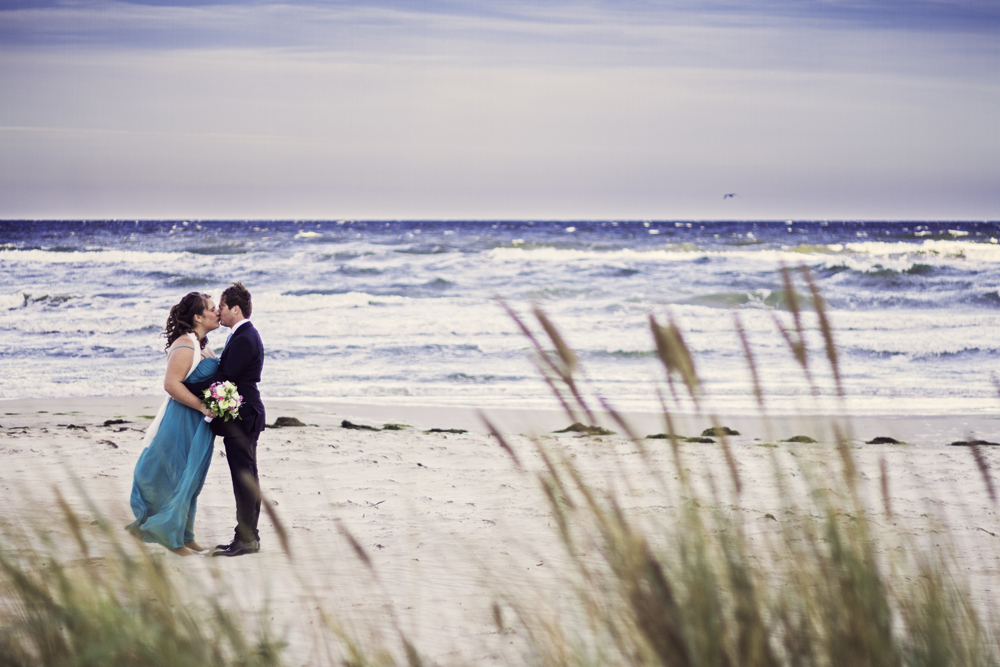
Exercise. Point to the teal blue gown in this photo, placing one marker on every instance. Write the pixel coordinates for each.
(171, 472)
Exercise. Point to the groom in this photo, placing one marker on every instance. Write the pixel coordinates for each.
(240, 363)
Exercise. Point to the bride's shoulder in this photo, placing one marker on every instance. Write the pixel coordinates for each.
(180, 343)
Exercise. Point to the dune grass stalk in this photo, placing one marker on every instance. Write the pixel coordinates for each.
(101, 603)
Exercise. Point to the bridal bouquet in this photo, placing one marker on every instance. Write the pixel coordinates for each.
(223, 400)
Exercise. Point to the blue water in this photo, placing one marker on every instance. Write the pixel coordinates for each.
(407, 311)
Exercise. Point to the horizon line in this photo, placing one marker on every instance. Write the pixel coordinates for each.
(495, 220)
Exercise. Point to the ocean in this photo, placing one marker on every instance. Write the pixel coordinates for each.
(408, 311)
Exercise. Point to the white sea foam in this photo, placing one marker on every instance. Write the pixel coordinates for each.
(856, 254)
(14, 300)
(278, 302)
(101, 257)
(971, 250)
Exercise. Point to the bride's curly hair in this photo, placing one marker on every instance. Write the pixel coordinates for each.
(181, 318)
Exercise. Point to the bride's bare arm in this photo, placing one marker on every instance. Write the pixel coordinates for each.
(178, 365)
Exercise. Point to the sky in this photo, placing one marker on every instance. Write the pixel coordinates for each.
(453, 109)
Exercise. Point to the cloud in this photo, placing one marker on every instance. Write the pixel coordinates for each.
(454, 109)
(262, 135)
(329, 25)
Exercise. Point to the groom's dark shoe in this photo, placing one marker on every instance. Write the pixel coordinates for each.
(237, 548)
(226, 547)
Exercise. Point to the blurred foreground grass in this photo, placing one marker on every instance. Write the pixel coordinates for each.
(106, 604)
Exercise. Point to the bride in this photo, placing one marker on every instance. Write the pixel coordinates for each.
(171, 470)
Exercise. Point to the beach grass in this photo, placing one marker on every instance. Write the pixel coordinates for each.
(73, 593)
(825, 587)
(699, 584)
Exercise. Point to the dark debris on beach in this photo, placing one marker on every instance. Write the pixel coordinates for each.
(681, 438)
(974, 443)
(387, 427)
(286, 422)
(357, 427)
(577, 427)
(883, 440)
(800, 438)
(718, 432)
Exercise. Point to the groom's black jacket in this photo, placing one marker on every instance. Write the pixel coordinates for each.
(241, 363)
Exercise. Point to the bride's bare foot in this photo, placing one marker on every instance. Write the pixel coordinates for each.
(183, 551)
(193, 546)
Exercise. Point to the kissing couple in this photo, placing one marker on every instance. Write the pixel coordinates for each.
(171, 470)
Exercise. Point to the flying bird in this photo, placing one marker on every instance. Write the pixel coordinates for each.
(729, 195)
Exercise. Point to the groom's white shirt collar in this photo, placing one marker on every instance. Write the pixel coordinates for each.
(238, 325)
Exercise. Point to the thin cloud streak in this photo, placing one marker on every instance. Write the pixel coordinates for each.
(397, 26)
(115, 17)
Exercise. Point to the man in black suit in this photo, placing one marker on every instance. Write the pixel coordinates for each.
(241, 363)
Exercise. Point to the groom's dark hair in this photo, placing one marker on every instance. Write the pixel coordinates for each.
(237, 295)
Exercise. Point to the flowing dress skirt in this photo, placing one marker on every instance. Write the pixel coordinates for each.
(171, 472)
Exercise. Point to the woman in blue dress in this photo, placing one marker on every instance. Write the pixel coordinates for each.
(171, 469)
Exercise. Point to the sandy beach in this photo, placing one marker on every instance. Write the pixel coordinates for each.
(448, 521)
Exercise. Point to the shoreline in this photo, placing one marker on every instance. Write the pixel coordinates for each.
(911, 429)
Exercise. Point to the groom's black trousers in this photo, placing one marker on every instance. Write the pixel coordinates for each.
(241, 453)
